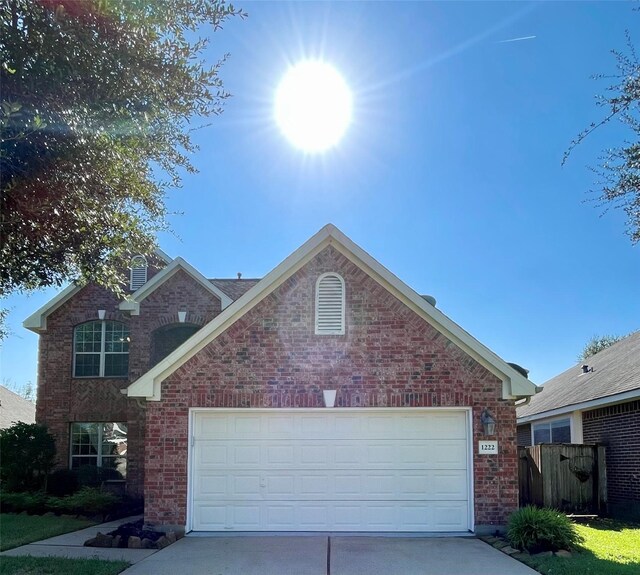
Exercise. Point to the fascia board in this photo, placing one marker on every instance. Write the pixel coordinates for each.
(37, 321)
(514, 384)
(583, 406)
(149, 384)
(163, 256)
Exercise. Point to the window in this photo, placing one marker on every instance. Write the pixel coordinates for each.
(101, 349)
(138, 272)
(558, 431)
(100, 445)
(330, 303)
(167, 338)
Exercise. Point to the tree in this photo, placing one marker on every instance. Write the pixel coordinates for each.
(597, 343)
(26, 391)
(619, 172)
(96, 104)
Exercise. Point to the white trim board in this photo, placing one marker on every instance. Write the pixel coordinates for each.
(514, 384)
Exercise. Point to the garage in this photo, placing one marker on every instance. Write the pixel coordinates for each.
(353, 470)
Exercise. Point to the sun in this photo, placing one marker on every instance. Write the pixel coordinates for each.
(313, 106)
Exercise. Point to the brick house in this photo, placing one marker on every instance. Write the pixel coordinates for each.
(598, 402)
(206, 396)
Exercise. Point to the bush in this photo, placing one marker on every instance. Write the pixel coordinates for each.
(28, 454)
(93, 476)
(534, 529)
(32, 503)
(62, 482)
(87, 501)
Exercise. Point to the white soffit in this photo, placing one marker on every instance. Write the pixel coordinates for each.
(514, 384)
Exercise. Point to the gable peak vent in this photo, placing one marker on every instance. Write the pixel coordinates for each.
(330, 304)
(138, 272)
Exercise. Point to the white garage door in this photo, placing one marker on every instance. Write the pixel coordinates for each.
(330, 470)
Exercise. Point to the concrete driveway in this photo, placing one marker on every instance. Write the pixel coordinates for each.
(335, 555)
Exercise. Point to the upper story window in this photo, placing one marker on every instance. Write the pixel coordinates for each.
(138, 272)
(558, 431)
(101, 349)
(330, 303)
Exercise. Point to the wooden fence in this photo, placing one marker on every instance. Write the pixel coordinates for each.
(568, 477)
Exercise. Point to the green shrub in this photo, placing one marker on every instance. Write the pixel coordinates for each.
(33, 503)
(534, 529)
(62, 482)
(93, 476)
(87, 501)
(28, 454)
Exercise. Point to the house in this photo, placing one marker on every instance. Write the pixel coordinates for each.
(598, 402)
(14, 408)
(207, 397)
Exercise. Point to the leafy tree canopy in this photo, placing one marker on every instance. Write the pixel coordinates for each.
(619, 172)
(96, 101)
(597, 343)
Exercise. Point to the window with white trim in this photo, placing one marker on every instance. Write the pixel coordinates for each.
(558, 431)
(330, 304)
(138, 272)
(100, 445)
(101, 349)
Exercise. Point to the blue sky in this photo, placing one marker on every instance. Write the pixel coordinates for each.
(450, 174)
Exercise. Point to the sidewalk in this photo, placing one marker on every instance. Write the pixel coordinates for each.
(72, 545)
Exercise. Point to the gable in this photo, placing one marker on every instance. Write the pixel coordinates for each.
(514, 384)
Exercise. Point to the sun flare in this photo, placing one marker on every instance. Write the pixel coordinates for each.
(313, 106)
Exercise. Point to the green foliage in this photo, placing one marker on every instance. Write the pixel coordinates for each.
(597, 343)
(28, 455)
(97, 100)
(541, 529)
(16, 530)
(87, 501)
(33, 503)
(28, 565)
(63, 482)
(619, 172)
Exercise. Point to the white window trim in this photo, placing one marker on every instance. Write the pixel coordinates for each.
(99, 456)
(144, 267)
(549, 422)
(103, 352)
(341, 331)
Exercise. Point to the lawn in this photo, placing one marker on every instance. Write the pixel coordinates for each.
(59, 566)
(16, 530)
(609, 548)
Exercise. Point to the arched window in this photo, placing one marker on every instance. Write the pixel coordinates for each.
(101, 349)
(330, 303)
(167, 338)
(138, 272)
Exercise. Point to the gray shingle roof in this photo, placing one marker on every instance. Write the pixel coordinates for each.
(616, 369)
(15, 408)
(234, 288)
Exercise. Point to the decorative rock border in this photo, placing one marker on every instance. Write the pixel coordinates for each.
(134, 536)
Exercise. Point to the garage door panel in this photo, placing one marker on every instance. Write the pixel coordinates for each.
(386, 470)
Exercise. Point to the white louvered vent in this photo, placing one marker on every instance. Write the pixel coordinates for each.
(138, 272)
(330, 300)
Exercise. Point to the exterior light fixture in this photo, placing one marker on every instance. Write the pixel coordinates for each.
(101, 313)
(488, 422)
(329, 397)
(182, 316)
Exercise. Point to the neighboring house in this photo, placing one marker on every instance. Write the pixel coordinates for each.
(229, 432)
(14, 408)
(598, 402)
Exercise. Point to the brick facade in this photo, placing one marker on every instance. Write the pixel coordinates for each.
(63, 399)
(270, 357)
(618, 428)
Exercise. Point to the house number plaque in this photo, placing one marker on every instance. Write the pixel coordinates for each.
(487, 447)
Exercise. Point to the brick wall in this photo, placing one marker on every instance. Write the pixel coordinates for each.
(618, 428)
(270, 357)
(63, 399)
(524, 435)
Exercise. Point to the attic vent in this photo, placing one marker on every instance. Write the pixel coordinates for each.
(138, 272)
(330, 300)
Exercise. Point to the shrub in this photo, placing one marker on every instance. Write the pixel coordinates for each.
(93, 476)
(28, 454)
(62, 482)
(534, 529)
(33, 503)
(87, 501)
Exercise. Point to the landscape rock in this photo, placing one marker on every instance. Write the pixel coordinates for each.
(117, 541)
(90, 542)
(563, 553)
(147, 544)
(171, 536)
(509, 550)
(163, 542)
(102, 540)
(135, 542)
(542, 554)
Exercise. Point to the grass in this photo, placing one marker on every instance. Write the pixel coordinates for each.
(59, 566)
(609, 548)
(16, 530)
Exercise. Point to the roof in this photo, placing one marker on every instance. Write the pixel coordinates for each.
(614, 374)
(235, 288)
(514, 384)
(15, 408)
